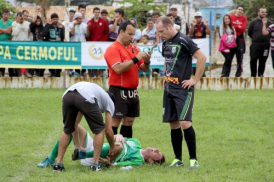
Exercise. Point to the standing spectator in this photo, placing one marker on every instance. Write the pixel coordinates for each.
(104, 14)
(98, 27)
(266, 31)
(260, 44)
(5, 30)
(54, 31)
(124, 60)
(82, 9)
(71, 16)
(155, 15)
(20, 31)
(115, 24)
(239, 22)
(198, 28)
(173, 10)
(36, 28)
(227, 44)
(79, 30)
(171, 17)
(99, 31)
(178, 50)
(151, 32)
(25, 15)
(138, 32)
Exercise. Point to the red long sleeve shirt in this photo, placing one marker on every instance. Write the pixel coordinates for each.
(98, 30)
(239, 23)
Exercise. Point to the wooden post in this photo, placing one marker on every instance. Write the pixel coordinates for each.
(67, 20)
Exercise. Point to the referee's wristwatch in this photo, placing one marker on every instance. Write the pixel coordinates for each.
(147, 63)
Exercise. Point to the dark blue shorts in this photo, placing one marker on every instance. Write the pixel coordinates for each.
(178, 105)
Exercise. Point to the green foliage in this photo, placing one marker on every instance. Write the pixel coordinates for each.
(6, 4)
(135, 8)
(234, 132)
(251, 8)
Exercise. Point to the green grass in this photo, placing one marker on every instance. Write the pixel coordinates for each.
(234, 131)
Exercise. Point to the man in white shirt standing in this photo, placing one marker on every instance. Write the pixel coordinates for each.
(78, 30)
(20, 31)
(71, 15)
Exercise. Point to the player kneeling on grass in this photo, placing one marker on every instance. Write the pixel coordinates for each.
(129, 152)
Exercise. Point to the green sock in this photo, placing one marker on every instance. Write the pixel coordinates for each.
(54, 152)
(104, 152)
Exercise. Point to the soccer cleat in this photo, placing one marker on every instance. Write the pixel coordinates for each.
(193, 164)
(177, 163)
(58, 168)
(46, 162)
(98, 168)
(78, 154)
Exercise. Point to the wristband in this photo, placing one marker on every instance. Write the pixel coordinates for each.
(135, 60)
(147, 63)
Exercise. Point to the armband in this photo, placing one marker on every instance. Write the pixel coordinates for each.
(135, 60)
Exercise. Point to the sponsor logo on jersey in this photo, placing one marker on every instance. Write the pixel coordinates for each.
(173, 50)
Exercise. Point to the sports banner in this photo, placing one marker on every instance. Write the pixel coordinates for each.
(72, 55)
(36, 54)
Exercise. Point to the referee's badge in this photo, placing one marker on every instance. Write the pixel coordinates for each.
(173, 50)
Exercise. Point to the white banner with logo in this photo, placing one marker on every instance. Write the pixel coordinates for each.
(92, 54)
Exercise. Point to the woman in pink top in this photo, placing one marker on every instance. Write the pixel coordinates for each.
(227, 44)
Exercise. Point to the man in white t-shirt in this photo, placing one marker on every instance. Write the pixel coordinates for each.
(71, 15)
(78, 30)
(89, 100)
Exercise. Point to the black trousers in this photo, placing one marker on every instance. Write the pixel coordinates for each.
(240, 50)
(258, 51)
(228, 60)
(55, 72)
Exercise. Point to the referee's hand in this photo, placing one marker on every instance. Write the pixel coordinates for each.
(186, 84)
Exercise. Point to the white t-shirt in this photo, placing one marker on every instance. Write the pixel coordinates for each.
(93, 93)
(80, 33)
(176, 26)
(20, 31)
(70, 24)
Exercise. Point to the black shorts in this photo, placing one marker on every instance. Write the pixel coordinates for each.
(73, 102)
(178, 105)
(126, 102)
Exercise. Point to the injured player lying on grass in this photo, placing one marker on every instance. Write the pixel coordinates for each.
(130, 152)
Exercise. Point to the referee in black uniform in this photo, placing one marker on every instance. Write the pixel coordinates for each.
(178, 50)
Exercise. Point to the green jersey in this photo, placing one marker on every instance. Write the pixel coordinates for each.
(5, 26)
(131, 154)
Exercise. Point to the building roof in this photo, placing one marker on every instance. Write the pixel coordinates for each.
(60, 10)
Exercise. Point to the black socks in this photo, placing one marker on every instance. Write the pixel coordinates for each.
(191, 142)
(176, 140)
(126, 131)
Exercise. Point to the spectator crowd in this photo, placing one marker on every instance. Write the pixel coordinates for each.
(101, 28)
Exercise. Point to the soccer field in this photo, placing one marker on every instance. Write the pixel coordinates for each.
(234, 131)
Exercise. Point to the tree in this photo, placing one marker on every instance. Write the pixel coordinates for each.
(6, 4)
(251, 8)
(140, 10)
